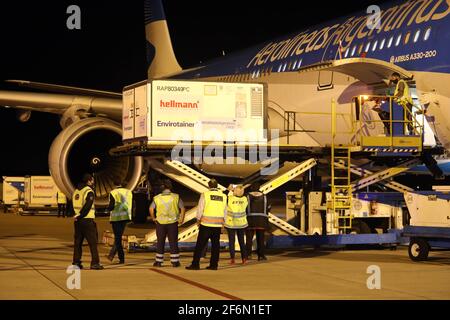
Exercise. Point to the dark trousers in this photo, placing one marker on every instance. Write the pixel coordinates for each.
(204, 234)
(260, 246)
(85, 228)
(61, 209)
(231, 240)
(118, 229)
(171, 232)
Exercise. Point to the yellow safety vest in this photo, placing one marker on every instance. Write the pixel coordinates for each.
(79, 199)
(214, 211)
(406, 97)
(167, 210)
(61, 198)
(123, 201)
(236, 216)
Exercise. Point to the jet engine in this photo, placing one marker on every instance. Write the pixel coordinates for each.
(83, 147)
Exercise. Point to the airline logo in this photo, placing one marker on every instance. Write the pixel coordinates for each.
(410, 13)
(173, 104)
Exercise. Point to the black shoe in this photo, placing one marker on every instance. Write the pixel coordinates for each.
(211, 268)
(121, 262)
(157, 264)
(79, 265)
(109, 258)
(262, 258)
(97, 267)
(176, 264)
(191, 267)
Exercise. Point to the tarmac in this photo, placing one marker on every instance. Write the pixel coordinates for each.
(35, 252)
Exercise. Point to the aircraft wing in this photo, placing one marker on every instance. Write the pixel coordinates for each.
(101, 103)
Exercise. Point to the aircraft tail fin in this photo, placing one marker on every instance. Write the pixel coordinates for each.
(160, 55)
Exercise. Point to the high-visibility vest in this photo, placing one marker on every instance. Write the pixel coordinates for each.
(236, 216)
(405, 98)
(167, 210)
(123, 202)
(214, 211)
(79, 199)
(61, 198)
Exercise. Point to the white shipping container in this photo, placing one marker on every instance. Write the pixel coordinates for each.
(174, 110)
(40, 191)
(128, 114)
(13, 190)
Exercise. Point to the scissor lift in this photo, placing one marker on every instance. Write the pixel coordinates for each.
(198, 182)
(403, 136)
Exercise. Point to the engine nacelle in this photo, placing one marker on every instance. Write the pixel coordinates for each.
(83, 147)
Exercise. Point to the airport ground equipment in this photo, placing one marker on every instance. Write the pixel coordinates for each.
(334, 217)
(401, 135)
(13, 193)
(430, 222)
(196, 181)
(425, 239)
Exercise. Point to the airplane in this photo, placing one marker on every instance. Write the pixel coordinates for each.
(304, 70)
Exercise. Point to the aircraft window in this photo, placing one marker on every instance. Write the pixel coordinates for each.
(374, 47)
(399, 38)
(360, 48)
(416, 36)
(390, 41)
(408, 35)
(346, 52)
(367, 47)
(354, 50)
(427, 34)
(382, 43)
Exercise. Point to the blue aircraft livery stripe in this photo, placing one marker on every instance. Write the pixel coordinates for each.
(414, 35)
(153, 11)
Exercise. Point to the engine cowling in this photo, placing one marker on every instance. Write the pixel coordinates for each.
(82, 148)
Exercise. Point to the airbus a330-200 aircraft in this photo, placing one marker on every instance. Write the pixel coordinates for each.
(303, 71)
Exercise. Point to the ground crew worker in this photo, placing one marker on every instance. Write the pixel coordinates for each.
(211, 211)
(85, 227)
(236, 221)
(403, 97)
(120, 205)
(257, 217)
(61, 200)
(169, 214)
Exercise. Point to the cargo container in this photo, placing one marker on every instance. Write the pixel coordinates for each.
(40, 192)
(174, 110)
(13, 192)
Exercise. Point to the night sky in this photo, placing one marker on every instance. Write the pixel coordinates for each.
(109, 50)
